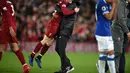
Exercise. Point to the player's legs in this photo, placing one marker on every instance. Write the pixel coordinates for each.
(20, 56)
(103, 56)
(1, 47)
(43, 51)
(46, 47)
(101, 63)
(105, 46)
(111, 55)
(47, 43)
(37, 49)
(111, 61)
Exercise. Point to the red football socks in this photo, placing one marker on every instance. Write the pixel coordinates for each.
(0, 55)
(37, 48)
(44, 49)
(20, 56)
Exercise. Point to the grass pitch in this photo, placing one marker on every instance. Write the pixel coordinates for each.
(83, 63)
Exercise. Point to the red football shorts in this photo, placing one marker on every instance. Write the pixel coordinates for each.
(5, 36)
(52, 27)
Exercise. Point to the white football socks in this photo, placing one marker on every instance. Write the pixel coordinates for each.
(101, 65)
(111, 63)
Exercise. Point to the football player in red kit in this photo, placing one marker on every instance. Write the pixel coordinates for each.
(52, 29)
(8, 32)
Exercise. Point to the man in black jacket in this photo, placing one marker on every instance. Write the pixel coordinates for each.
(65, 32)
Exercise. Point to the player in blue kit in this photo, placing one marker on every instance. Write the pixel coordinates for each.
(105, 10)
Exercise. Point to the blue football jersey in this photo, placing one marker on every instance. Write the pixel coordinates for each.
(102, 23)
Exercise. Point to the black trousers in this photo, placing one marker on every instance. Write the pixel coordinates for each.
(122, 57)
(61, 43)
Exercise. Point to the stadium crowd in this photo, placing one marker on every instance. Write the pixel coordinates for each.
(33, 15)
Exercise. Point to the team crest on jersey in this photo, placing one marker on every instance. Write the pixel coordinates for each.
(104, 8)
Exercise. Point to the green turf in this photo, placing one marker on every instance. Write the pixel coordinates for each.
(83, 63)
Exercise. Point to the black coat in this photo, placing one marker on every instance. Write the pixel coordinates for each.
(67, 25)
(67, 22)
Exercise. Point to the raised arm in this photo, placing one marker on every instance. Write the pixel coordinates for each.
(110, 14)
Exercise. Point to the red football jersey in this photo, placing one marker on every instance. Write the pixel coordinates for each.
(8, 15)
